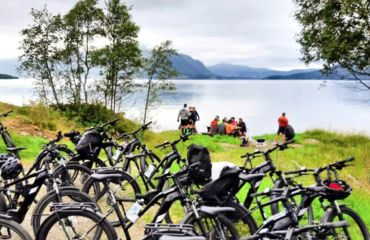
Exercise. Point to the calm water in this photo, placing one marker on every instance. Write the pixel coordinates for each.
(335, 107)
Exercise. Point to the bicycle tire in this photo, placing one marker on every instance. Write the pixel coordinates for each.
(71, 179)
(331, 213)
(51, 197)
(190, 219)
(90, 186)
(104, 226)
(8, 223)
(242, 219)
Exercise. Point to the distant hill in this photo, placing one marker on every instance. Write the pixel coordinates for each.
(316, 74)
(6, 76)
(230, 71)
(190, 68)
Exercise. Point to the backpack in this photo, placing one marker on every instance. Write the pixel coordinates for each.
(90, 143)
(202, 173)
(224, 187)
(289, 132)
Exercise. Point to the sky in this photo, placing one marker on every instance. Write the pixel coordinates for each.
(257, 33)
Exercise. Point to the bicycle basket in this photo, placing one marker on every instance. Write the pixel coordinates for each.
(155, 231)
(202, 173)
(223, 187)
(90, 143)
(336, 189)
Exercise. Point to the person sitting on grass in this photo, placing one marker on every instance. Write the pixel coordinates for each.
(230, 127)
(214, 124)
(221, 128)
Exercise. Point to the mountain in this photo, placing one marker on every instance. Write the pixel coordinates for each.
(190, 68)
(230, 71)
(338, 74)
(6, 76)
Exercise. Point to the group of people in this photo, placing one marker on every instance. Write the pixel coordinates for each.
(188, 116)
(232, 127)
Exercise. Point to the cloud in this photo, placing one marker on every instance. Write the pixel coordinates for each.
(252, 32)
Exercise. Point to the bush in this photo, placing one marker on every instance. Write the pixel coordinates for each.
(93, 114)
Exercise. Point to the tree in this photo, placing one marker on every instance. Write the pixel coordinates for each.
(121, 57)
(158, 66)
(40, 44)
(336, 32)
(81, 25)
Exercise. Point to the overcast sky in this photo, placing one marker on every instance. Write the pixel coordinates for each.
(257, 33)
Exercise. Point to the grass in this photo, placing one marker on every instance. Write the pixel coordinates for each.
(312, 149)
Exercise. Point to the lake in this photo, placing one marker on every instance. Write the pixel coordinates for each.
(338, 106)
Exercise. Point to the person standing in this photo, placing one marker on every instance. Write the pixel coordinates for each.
(283, 124)
(193, 117)
(184, 117)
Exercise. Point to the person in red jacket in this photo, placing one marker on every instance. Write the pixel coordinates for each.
(283, 124)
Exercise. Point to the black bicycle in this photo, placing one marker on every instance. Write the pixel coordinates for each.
(209, 220)
(17, 195)
(285, 225)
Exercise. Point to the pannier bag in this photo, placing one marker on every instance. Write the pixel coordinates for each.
(202, 173)
(90, 143)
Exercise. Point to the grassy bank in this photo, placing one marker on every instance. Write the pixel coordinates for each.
(312, 148)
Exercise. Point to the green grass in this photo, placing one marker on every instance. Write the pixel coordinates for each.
(312, 149)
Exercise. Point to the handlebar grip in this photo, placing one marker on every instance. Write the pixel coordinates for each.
(350, 159)
(112, 122)
(6, 113)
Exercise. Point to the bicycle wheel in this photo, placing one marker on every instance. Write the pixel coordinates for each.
(356, 230)
(212, 227)
(307, 218)
(242, 219)
(10, 229)
(72, 174)
(43, 208)
(124, 189)
(72, 224)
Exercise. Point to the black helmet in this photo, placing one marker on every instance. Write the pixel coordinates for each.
(11, 168)
(336, 189)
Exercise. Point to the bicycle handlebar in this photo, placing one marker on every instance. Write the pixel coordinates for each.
(339, 165)
(111, 122)
(59, 137)
(300, 171)
(142, 128)
(6, 113)
(280, 146)
(173, 144)
(165, 144)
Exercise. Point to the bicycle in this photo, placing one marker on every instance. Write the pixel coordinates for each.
(165, 198)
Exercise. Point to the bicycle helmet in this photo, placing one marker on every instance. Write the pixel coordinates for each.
(11, 168)
(336, 189)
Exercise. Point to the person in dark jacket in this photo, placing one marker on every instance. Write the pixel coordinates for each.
(193, 118)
